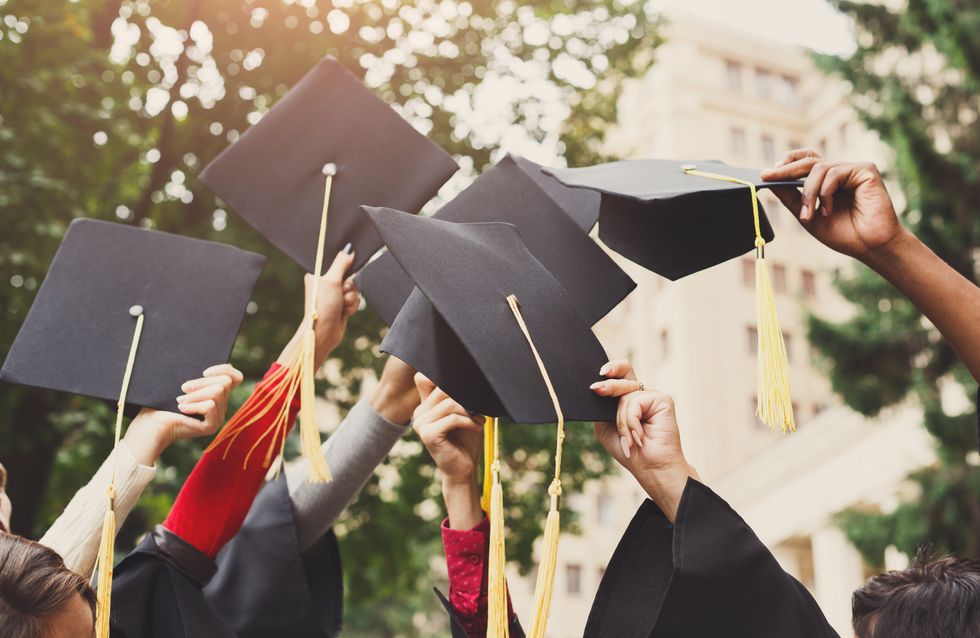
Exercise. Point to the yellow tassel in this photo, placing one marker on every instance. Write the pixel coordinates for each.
(544, 586)
(298, 374)
(498, 623)
(104, 565)
(775, 403)
(488, 457)
(107, 543)
(775, 406)
(308, 431)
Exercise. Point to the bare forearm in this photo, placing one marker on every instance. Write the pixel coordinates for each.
(947, 298)
(462, 499)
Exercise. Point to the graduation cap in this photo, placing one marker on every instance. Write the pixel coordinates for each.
(328, 146)
(680, 217)
(488, 322)
(128, 315)
(581, 204)
(512, 192)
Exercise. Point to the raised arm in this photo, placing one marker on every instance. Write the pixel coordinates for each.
(847, 207)
(75, 534)
(353, 451)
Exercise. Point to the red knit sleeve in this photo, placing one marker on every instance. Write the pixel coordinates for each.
(213, 502)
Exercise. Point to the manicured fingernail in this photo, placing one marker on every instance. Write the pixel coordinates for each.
(347, 248)
(182, 398)
(604, 370)
(804, 212)
(626, 445)
(637, 438)
(596, 385)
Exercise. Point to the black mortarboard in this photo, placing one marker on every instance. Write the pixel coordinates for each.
(659, 215)
(466, 272)
(581, 204)
(273, 176)
(78, 333)
(509, 193)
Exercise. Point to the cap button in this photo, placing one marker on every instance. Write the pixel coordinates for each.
(689, 167)
(329, 169)
(135, 311)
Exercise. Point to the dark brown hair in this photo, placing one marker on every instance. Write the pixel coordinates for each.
(34, 586)
(933, 598)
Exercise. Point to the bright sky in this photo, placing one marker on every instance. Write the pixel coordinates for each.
(811, 23)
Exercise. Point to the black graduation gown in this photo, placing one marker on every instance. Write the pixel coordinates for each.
(260, 584)
(707, 575)
(516, 631)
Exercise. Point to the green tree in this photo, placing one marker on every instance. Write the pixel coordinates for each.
(916, 82)
(109, 108)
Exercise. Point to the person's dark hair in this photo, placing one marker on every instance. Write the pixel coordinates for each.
(34, 586)
(933, 598)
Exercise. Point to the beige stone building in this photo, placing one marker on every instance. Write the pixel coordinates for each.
(715, 93)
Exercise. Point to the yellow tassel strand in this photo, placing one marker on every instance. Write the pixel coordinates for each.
(775, 403)
(544, 586)
(498, 623)
(298, 373)
(107, 543)
(489, 431)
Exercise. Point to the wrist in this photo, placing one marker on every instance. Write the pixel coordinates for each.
(462, 498)
(147, 441)
(665, 485)
(394, 401)
(888, 257)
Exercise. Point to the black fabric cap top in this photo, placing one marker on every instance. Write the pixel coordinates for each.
(508, 193)
(458, 329)
(581, 204)
(77, 335)
(273, 175)
(667, 221)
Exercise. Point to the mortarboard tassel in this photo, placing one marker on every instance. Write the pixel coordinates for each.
(107, 543)
(775, 404)
(489, 454)
(498, 623)
(549, 553)
(298, 373)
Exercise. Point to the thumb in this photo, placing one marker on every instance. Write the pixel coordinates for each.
(424, 385)
(341, 264)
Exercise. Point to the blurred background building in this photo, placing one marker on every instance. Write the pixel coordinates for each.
(717, 93)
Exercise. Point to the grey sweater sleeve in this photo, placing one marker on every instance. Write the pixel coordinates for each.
(358, 446)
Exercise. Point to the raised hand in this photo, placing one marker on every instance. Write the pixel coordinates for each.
(845, 205)
(454, 438)
(152, 431)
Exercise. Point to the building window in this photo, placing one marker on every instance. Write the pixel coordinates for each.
(738, 144)
(748, 272)
(763, 83)
(768, 149)
(788, 343)
(789, 92)
(664, 344)
(779, 278)
(809, 284)
(573, 579)
(733, 75)
(753, 342)
(604, 509)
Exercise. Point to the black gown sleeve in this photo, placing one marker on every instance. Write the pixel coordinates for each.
(156, 592)
(516, 631)
(707, 575)
(266, 586)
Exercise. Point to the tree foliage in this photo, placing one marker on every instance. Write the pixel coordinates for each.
(109, 109)
(916, 81)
